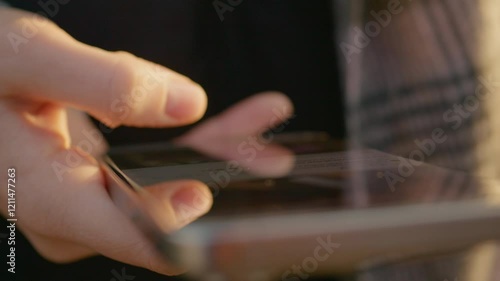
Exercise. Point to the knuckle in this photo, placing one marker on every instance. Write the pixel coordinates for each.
(121, 87)
(124, 73)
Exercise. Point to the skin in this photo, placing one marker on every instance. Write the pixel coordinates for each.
(44, 89)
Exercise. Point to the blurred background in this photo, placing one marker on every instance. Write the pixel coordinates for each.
(380, 74)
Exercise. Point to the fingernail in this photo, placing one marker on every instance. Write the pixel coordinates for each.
(190, 203)
(184, 99)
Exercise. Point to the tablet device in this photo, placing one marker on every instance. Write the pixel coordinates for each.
(306, 207)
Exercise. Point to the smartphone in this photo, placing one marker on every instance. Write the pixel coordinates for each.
(308, 206)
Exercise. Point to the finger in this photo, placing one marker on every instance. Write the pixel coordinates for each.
(115, 87)
(182, 201)
(254, 154)
(236, 135)
(188, 199)
(251, 116)
(65, 203)
(90, 218)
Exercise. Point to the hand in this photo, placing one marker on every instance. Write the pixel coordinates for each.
(45, 85)
(62, 205)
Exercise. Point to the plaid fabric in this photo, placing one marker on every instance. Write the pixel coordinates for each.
(419, 73)
(478, 263)
(415, 68)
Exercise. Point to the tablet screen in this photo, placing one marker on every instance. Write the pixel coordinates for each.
(322, 176)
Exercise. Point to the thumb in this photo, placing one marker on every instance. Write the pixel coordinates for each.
(115, 87)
